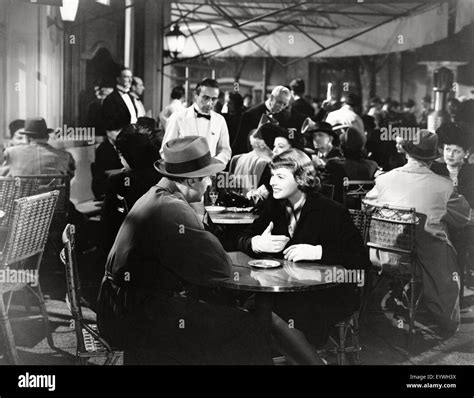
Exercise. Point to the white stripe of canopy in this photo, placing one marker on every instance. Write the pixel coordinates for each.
(312, 29)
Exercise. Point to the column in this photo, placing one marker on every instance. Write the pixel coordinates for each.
(157, 16)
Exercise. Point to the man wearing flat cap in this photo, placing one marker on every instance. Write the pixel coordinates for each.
(38, 157)
(168, 266)
(437, 206)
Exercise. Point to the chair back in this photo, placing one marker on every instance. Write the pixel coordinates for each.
(53, 182)
(73, 284)
(354, 191)
(391, 228)
(12, 188)
(28, 234)
(361, 220)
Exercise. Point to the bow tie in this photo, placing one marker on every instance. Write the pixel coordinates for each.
(123, 91)
(198, 114)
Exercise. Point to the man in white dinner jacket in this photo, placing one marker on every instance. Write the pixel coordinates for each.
(199, 119)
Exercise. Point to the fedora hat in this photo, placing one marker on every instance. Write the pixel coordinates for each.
(35, 127)
(322, 127)
(425, 149)
(188, 157)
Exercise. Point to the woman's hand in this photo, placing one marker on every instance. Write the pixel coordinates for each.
(268, 243)
(303, 252)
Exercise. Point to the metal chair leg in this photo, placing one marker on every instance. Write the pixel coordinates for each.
(367, 293)
(355, 339)
(412, 307)
(7, 332)
(341, 349)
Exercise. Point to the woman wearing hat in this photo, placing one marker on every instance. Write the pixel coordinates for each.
(457, 144)
(437, 207)
(278, 139)
(137, 155)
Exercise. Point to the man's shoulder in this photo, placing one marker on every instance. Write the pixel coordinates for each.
(112, 97)
(439, 168)
(259, 108)
(218, 116)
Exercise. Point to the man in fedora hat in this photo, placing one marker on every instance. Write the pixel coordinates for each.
(324, 140)
(38, 157)
(437, 206)
(167, 265)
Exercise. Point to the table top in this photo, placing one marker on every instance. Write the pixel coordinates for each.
(289, 277)
(229, 217)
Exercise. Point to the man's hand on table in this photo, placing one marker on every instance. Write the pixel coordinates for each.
(268, 243)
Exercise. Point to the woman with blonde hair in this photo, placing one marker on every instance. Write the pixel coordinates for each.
(299, 224)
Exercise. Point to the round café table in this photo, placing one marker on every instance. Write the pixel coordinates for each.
(265, 283)
(232, 224)
(233, 218)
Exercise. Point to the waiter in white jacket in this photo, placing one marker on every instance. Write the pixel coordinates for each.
(200, 119)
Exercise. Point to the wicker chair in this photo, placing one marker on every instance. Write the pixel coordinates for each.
(26, 239)
(53, 182)
(354, 191)
(89, 343)
(350, 325)
(361, 220)
(392, 230)
(12, 188)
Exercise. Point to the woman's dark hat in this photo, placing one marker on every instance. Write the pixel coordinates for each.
(455, 134)
(188, 157)
(352, 140)
(426, 147)
(18, 124)
(268, 132)
(35, 127)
